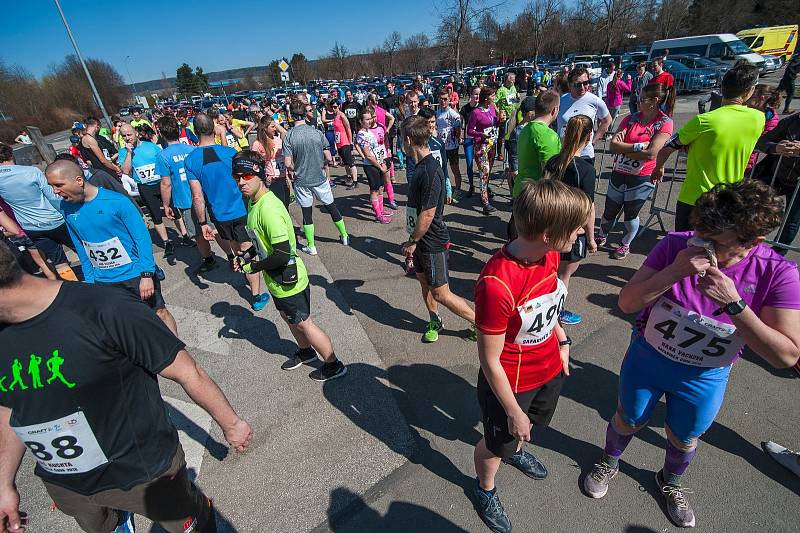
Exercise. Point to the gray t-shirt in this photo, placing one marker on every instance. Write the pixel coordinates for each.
(590, 105)
(31, 198)
(304, 144)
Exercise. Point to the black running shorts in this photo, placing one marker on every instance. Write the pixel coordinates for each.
(233, 230)
(297, 308)
(433, 266)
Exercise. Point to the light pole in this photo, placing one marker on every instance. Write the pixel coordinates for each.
(130, 78)
(83, 63)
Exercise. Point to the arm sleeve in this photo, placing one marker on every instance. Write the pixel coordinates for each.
(125, 318)
(86, 264)
(784, 289)
(494, 305)
(281, 253)
(691, 130)
(139, 234)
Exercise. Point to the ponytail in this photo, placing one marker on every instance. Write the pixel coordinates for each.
(578, 132)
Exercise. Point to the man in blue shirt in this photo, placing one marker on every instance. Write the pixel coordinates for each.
(111, 238)
(209, 170)
(138, 160)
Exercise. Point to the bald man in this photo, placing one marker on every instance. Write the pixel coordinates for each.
(138, 159)
(111, 238)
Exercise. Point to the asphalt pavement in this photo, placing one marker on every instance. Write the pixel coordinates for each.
(389, 447)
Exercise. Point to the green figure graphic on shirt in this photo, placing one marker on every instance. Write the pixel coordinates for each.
(16, 372)
(54, 366)
(33, 371)
(2, 385)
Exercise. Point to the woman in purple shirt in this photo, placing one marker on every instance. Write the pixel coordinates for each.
(482, 127)
(701, 297)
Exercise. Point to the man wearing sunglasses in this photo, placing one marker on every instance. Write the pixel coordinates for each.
(581, 101)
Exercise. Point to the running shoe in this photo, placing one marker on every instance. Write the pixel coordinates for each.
(187, 242)
(678, 508)
(169, 249)
(488, 209)
(528, 464)
(126, 524)
(472, 333)
(491, 510)
(457, 196)
(344, 239)
(207, 266)
(785, 457)
(432, 333)
(260, 301)
(596, 482)
(386, 218)
(298, 360)
(393, 205)
(471, 191)
(333, 183)
(349, 185)
(569, 318)
(600, 238)
(310, 250)
(621, 252)
(329, 371)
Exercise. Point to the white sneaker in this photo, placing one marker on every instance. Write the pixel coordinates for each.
(785, 457)
(310, 250)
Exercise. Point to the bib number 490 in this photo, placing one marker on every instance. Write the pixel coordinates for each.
(713, 348)
(543, 320)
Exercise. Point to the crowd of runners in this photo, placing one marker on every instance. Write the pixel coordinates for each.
(82, 350)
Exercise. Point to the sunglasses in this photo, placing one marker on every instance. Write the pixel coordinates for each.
(245, 177)
(579, 84)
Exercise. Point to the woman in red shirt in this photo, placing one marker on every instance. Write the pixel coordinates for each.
(667, 80)
(523, 350)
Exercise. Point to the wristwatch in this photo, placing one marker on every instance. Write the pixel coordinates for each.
(565, 342)
(734, 308)
(147, 274)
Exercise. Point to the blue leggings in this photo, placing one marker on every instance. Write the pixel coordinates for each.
(694, 394)
(331, 136)
(469, 155)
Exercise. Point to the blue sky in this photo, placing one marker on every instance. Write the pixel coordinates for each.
(111, 30)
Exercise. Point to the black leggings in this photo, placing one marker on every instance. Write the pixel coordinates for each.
(331, 209)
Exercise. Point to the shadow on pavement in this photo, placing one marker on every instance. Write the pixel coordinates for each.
(432, 399)
(358, 516)
(786, 373)
(241, 323)
(217, 449)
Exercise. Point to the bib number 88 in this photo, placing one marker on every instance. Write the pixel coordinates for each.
(65, 447)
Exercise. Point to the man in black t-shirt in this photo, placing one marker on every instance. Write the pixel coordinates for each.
(79, 388)
(352, 110)
(430, 240)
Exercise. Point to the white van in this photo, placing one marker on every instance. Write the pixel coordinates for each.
(725, 47)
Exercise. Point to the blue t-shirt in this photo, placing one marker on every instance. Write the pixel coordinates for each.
(170, 163)
(212, 167)
(31, 198)
(143, 169)
(110, 236)
(537, 77)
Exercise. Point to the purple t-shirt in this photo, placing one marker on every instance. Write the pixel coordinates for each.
(479, 121)
(763, 278)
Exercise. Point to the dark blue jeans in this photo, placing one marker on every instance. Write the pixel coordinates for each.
(469, 155)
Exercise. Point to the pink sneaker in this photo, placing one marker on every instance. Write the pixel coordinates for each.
(621, 252)
(385, 219)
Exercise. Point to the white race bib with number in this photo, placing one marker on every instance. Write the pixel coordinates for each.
(182, 174)
(380, 153)
(350, 112)
(107, 254)
(336, 137)
(231, 140)
(437, 155)
(63, 446)
(411, 219)
(540, 315)
(626, 165)
(491, 133)
(147, 173)
(184, 140)
(691, 338)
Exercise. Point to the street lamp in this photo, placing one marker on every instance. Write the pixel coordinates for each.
(83, 64)
(130, 78)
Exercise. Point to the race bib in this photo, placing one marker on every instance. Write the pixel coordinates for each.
(491, 133)
(437, 155)
(182, 174)
(411, 219)
(350, 112)
(691, 338)
(380, 152)
(336, 137)
(231, 140)
(107, 254)
(147, 173)
(625, 165)
(63, 446)
(540, 315)
(184, 140)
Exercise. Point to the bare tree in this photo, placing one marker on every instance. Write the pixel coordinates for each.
(339, 56)
(459, 17)
(390, 46)
(540, 14)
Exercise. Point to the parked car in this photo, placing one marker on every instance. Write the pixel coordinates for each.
(592, 66)
(691, 79)
(771, 64)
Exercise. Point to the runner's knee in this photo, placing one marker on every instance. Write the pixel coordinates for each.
(684, 443)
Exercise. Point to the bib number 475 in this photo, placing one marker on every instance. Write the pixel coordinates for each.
(714, 347)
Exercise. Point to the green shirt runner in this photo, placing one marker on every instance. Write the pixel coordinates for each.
(268, 223)
(536, 145)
